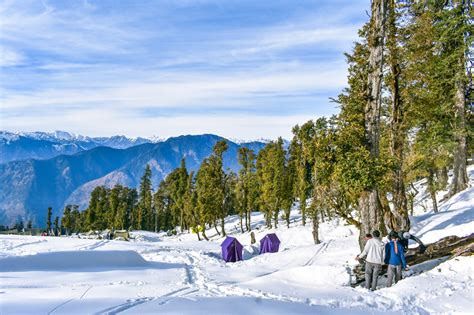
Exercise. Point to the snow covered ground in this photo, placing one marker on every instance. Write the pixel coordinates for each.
(157, 274)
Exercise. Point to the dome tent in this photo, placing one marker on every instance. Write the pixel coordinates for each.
(231, 249)
(269, 244)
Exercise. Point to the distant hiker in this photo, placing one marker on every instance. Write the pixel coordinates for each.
(374, 250)
(394, 258)
(252, 238)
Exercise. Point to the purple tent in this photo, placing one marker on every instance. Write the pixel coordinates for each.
(269, 244)
(231, 249)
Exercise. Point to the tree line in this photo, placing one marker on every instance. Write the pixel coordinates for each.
(406, 115)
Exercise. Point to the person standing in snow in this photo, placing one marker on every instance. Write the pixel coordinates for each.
(405, 237)
(394, 258)
(374, 250)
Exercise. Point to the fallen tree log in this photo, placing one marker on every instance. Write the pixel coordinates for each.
(450, 246)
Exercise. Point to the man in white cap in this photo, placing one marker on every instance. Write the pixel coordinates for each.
(374, 250)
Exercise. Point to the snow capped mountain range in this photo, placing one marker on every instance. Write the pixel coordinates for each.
(46, 145)
(67, 137)
(17, 146)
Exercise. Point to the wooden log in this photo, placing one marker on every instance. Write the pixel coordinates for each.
(447, 246)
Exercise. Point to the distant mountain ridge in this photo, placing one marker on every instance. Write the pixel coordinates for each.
(46, 145)
(29, 187)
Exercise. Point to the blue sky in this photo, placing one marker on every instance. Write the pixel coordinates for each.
(240, 69)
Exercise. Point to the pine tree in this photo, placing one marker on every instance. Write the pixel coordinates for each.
(144, 218)
(456, 38)
(191, 210)
(78, 220)
(302, 159)
(210, 187)
(246, 187)
(115, 203)
(178, 186)
(57, 231)
(48, 221)
(398, 124)
(66, 220)
(271, 173)
(220, 177)
(205, 199)
(369, 201)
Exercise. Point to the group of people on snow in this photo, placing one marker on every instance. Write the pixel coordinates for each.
(391, 253)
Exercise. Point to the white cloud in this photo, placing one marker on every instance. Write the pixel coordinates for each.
(100, 122)
(186, 90)
(10, 58)
(38, 25)
(283, 39)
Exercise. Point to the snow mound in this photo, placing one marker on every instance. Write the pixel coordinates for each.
(146, 236)
(455, 217)
(73, 260)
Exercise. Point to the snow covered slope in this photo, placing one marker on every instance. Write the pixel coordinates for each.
(180, 275)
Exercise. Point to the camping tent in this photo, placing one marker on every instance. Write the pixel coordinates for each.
(231, 250)
(269, 244)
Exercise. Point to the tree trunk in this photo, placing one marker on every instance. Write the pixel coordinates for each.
(249, 226)
(275, 219)
(204, 234)
(369, 204)
(370, 214)
(215, 227)
(397, 128)
(315, 227)
(241, 224)
(435, 203)
(443, 177)
(460, 179)
(181, 219)
(432, 189)
(246, 221)
(223, 227)
(303, 210)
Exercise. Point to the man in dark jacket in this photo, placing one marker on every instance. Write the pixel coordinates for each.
(394, 258)
(405, 237)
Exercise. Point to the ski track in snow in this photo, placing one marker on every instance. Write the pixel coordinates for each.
(25, 244)
(70, 300)
(94, 246)
(321, 250)
(125, 306)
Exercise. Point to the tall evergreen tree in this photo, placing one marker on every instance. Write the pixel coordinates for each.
(48, 221)
(398, 124)
(57, 231)
(144, 215)
(211, 188)
(66, 220)
(271, 173)
(302, 160)
(246, 187)
(369, 201)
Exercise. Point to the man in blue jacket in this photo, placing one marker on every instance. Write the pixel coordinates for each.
(394, 258)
